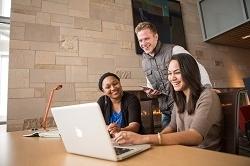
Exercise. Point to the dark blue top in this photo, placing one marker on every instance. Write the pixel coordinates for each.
(117, 117)
(130, 109)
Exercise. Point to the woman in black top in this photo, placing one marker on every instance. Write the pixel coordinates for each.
(121, 110)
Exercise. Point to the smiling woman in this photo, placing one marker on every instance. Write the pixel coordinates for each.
(121, 110)
(196, 119)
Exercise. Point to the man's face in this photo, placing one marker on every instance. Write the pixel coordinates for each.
(147, 40)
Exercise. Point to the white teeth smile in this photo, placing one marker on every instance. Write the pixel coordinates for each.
(175, 83)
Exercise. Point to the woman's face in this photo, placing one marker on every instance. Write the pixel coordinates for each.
(175, 77)
(112, 87)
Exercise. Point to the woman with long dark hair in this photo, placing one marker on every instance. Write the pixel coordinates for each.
(197, 117)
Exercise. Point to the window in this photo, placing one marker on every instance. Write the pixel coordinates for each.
(4, 56)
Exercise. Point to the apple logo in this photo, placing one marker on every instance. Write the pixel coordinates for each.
(78, 132)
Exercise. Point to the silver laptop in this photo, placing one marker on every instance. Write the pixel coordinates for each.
(83, 131)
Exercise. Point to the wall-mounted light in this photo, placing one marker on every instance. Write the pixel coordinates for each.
(245, 37)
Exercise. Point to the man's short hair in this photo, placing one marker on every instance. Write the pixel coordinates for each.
(145, 25)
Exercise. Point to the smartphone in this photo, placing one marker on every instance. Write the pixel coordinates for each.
(146, 88)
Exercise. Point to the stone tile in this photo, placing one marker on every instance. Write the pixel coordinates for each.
(17, 24)
(79, 8)
(18, 78)
(37, 85)
(88, 89)
(111, 13)
(59, 1)
(117, 26)
(22, 18)
(71, 61)
(21, 93)
(123, 74)
(78, 13)
(126, 83)
(127, 61)
(64, 31)
(69, 43)
(43, 18)
(41, 33)
(22, 2)
(59, 24)
(136, 73)
(89, 96)
(62, 19)
(54, 7)
(127, 44)
(100, 65)
(110, 2)
(22, 59)
(108, 34)
(19, 44)
(123, 2)
(93, 80)
(87, 49)
(126, 36)
(124, 52)
(47, 75)
(69, 54)
(17, 33)
(94, 49)
(26, 108)
(25, 9)
(65, 94)
(44, 46)
(65, 103)
(88, 24)
(36, 3)
(88, 84)
(50, 67)
(98, 40)
(39, 92)
(76, 74)
(45, 57)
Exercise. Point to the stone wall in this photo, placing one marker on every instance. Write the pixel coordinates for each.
(68, 42)
(72, 42)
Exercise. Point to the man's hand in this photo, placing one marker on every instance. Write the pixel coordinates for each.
(150, 92)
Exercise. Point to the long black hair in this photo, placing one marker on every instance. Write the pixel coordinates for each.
(191, 76)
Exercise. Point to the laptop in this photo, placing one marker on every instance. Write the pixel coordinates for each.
(83, 131)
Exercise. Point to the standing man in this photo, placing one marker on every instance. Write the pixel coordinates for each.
(155, 59)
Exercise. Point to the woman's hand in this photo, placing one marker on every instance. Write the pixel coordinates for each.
(128, 137)
(113, 128)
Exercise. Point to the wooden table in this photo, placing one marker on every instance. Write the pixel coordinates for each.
(16, 150)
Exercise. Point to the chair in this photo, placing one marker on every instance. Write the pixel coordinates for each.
(230, 107)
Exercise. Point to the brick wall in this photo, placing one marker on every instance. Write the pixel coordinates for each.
(72, 42)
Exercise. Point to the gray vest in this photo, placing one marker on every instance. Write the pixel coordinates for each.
(156, 70)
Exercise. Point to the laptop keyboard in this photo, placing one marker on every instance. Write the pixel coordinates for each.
(119, 151)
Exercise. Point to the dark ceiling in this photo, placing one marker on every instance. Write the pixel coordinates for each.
(234, 36)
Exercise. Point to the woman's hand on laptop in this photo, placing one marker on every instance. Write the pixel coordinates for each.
(128, 137)
(113, 128)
